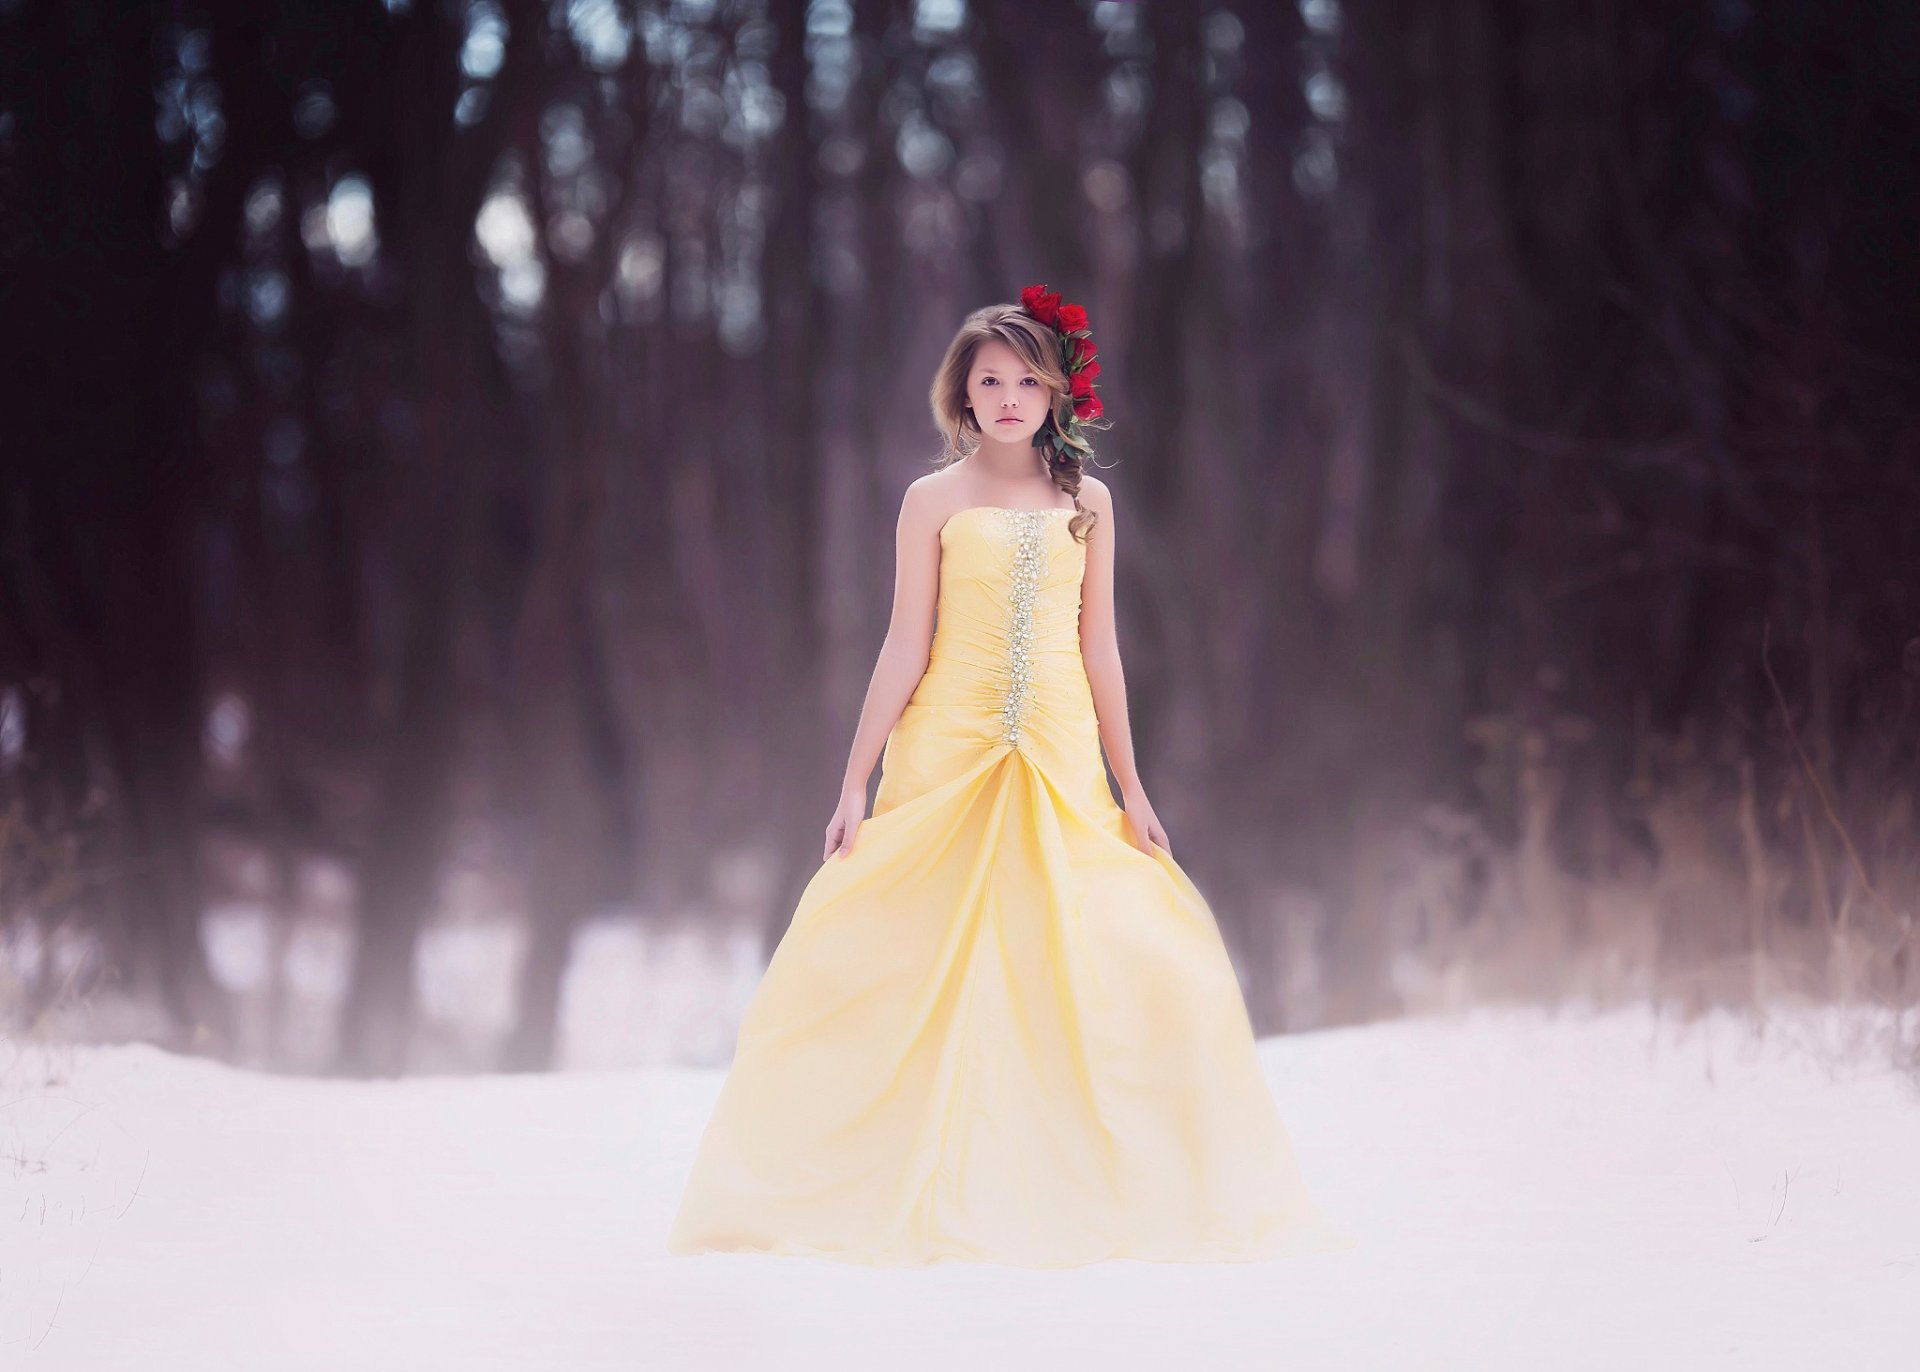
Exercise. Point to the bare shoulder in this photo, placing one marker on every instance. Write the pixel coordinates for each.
(1096, 495)
(921, 507)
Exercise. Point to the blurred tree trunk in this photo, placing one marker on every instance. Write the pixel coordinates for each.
(571, 773)
(113, 501)
(1280, 483)
(803, 767)
(1403, 107)
(1035, 63)
(855, 359)
(428, 186)
(1164, 170)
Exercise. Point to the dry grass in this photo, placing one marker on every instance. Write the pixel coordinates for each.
(1730, 894)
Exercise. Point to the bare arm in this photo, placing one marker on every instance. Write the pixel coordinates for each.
(1100, 651)
(1099, 641)
(903, 655)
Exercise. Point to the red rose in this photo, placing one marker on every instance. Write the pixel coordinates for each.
(1090, 408)
(1090, 370)
(1041, 305)
(1072, 317)
(1083, 350)
(1082, 385)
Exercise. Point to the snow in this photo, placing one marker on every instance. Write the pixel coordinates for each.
(1530, 1191)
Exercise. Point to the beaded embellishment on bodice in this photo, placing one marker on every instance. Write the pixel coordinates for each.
(1027, 529)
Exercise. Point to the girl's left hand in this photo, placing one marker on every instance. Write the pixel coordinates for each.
(1145, 824)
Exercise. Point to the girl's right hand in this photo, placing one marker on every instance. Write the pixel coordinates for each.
(845, 823)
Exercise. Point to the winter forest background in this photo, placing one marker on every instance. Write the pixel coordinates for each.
(452, 450)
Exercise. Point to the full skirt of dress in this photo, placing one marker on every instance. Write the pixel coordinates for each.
(1065, 1073)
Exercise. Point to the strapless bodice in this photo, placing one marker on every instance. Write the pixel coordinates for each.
(1007, 632)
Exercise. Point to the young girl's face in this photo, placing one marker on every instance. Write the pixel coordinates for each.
(1009, 401)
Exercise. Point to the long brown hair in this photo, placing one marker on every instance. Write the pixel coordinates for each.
(1038, 347)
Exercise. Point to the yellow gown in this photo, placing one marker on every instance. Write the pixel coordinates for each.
(997, 1030)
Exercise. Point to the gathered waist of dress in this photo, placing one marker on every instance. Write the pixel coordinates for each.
(1051, 679)
(1049, 630)
(971, 654)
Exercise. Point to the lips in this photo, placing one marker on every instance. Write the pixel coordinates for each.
(1010, 419)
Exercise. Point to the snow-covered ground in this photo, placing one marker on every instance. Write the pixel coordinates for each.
(1611, 1191)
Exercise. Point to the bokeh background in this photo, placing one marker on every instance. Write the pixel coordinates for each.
(452, 449)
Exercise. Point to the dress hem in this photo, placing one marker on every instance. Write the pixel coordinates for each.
(1312, 1239)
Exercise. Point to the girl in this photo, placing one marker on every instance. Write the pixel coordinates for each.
(1002, 1024)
